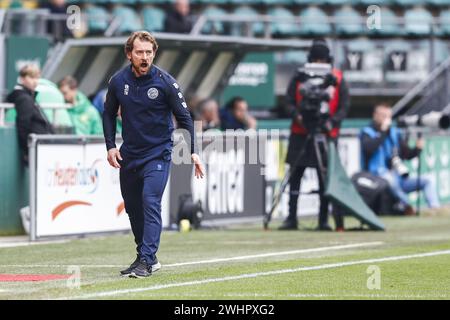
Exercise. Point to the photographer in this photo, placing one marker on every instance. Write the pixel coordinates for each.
(383, 148)
(337, 104)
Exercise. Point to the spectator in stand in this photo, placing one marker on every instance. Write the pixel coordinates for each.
(209, 114)
(235, 115)
(57, 27)
(30, 117)
(178, 19)
(85, 117)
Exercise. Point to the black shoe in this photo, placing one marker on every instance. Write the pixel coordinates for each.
(142, 270)
(289, 225)
(324, 227)
(126, 272)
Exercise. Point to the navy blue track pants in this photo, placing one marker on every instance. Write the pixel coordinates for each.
(142, 189)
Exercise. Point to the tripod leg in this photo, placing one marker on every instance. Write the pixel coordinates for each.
(277, 197)
(321, 151)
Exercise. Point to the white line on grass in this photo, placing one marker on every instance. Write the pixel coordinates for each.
(257, 274)
(237, 258)
(28, 243)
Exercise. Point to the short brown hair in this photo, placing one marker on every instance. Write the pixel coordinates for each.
(382, 104)
(69, 81)
(30, 70)
(142, 36)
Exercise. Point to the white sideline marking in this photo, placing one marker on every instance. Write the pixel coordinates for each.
(257, 274)
(28, 243)
(248, 257)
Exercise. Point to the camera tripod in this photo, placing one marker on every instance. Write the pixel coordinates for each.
(319, 141)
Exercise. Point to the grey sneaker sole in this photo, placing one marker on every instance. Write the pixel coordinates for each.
(155, 267)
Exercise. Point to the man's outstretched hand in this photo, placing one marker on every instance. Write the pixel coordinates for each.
(114, 157)
(199, 170)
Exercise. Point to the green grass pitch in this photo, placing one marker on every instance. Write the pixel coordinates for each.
(409, 261)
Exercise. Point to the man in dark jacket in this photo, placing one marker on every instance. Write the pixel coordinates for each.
(30, 117)
(178, 19)
(338, 107)
(147, 96)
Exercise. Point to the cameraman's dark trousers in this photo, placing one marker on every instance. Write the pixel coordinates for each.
(308, 160)
(294, 187)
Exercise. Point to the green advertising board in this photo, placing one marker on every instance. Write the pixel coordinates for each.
(21, 51)
(253, 80)
(435, 164)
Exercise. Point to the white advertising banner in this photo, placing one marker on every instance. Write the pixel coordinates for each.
(78, 192)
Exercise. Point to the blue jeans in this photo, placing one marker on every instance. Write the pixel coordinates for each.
(400, 187)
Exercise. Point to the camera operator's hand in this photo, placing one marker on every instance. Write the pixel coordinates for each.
(420, 143)
(386, 124)
(328, 126)
(299, 120)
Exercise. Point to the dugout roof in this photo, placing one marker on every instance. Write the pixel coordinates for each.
(201, 64)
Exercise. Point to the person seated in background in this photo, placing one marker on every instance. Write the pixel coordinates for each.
(84, 116)
(383, 149)
(30, 116)
(209, 114)
(98, 101)
(178, 19)
(235, 115)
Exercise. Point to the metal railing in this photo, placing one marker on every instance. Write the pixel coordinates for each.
(431, 94)
(53, 106)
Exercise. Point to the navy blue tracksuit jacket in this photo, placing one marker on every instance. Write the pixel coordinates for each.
(146, 105)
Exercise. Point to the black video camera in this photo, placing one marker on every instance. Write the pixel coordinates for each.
(315, 79)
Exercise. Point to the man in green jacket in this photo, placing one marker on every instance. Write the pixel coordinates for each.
(85, 117)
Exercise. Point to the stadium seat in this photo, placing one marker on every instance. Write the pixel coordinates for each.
(246, 11)
(349, 22)
(216, 27)
(333, 2)
(408, 2)
(214, 2)
(282, 28)
(153, 18)
(294, 57)
(390, 24)
(396, 45)
(363, 44)
(276, 2)
(129, 19)
(97, 18)
(441, 51)
(444, 18)
(372, 2)
(309, 2)
(314, 21)
(439, 2)
(144, 2)
(418, 21)
(126, 2)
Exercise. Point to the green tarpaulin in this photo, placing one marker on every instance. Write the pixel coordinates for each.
(340, 189)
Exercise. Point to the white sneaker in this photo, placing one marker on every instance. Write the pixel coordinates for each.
(156, 266)
(25, 215)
